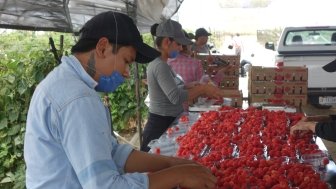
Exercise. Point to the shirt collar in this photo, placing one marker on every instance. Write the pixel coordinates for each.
(77, 67)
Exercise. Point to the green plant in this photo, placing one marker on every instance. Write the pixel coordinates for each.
(23, 66)
(270, 35)
(123, 102)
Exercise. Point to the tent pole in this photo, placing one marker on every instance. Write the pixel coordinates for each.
(138, 112)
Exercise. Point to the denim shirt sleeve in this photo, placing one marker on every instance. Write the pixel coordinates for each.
(94, 154)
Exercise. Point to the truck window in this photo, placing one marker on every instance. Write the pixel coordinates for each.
(311, 37)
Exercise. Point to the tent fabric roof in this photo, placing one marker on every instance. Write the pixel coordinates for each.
(70, 15)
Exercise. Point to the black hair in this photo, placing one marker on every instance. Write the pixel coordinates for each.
(153, 29)
(158, 40)
(86, 45)
(189, 36)
(153, 32)
(116, 47)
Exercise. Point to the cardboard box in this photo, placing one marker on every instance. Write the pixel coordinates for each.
(278, 99)
(236, 97)
(286, 73)
(276, 87)
(259, 73)
(294, 87)
(293, 73)
(229, 83)
(230, 98)
(213, 69)
(232, 93)
(237, 102)
(230, 59)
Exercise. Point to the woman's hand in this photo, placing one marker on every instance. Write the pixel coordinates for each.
(302, 125)
(210, 59)
(227, 68)
(212, 91)
(192, 84)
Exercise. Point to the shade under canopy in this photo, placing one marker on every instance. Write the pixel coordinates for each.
(70, 15)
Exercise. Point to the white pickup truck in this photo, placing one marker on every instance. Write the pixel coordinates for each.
(313, 47)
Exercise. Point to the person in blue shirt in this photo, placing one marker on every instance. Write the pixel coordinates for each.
(68, 141)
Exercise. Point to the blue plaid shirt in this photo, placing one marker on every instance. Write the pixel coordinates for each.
(68, 142)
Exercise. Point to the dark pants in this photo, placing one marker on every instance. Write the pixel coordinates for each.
(156, 125)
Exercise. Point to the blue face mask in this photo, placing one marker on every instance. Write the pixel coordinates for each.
(110, 83)
(173, 54)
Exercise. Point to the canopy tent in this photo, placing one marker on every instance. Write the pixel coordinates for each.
(70, 15)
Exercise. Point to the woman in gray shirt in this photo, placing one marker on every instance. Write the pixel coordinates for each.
(167, 92)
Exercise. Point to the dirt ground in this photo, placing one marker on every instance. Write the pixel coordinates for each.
(129, 136)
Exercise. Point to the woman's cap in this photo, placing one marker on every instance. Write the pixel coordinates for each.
(173, 29)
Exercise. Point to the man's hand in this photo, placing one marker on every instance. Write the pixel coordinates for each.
(191, 176)
(197, 177)
(179, 161)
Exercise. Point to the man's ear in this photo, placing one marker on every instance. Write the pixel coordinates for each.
(101, 47)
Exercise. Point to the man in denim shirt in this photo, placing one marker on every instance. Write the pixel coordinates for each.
(68, 142)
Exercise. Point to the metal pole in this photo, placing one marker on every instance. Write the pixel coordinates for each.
(138, 112)
(131, 10)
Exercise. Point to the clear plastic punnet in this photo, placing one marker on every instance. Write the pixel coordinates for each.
(163, 146)
(166, 144)
(318, 160)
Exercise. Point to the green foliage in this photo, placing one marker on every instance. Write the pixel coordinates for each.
(273, 35)
(23, 65)
(123, 101)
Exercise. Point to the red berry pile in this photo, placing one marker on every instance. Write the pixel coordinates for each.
(251, 149)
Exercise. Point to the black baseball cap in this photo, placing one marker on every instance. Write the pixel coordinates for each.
(173, 29)
(201, 32)
(119, 29)
(330, 67)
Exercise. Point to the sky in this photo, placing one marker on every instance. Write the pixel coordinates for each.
(200, 13)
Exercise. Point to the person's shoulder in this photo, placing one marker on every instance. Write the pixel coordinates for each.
(197, 60)
(174, 60)
(157, 64)
(71, 86)
(155, 61)
(193, 46)
(179, 58)
(188, 59)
